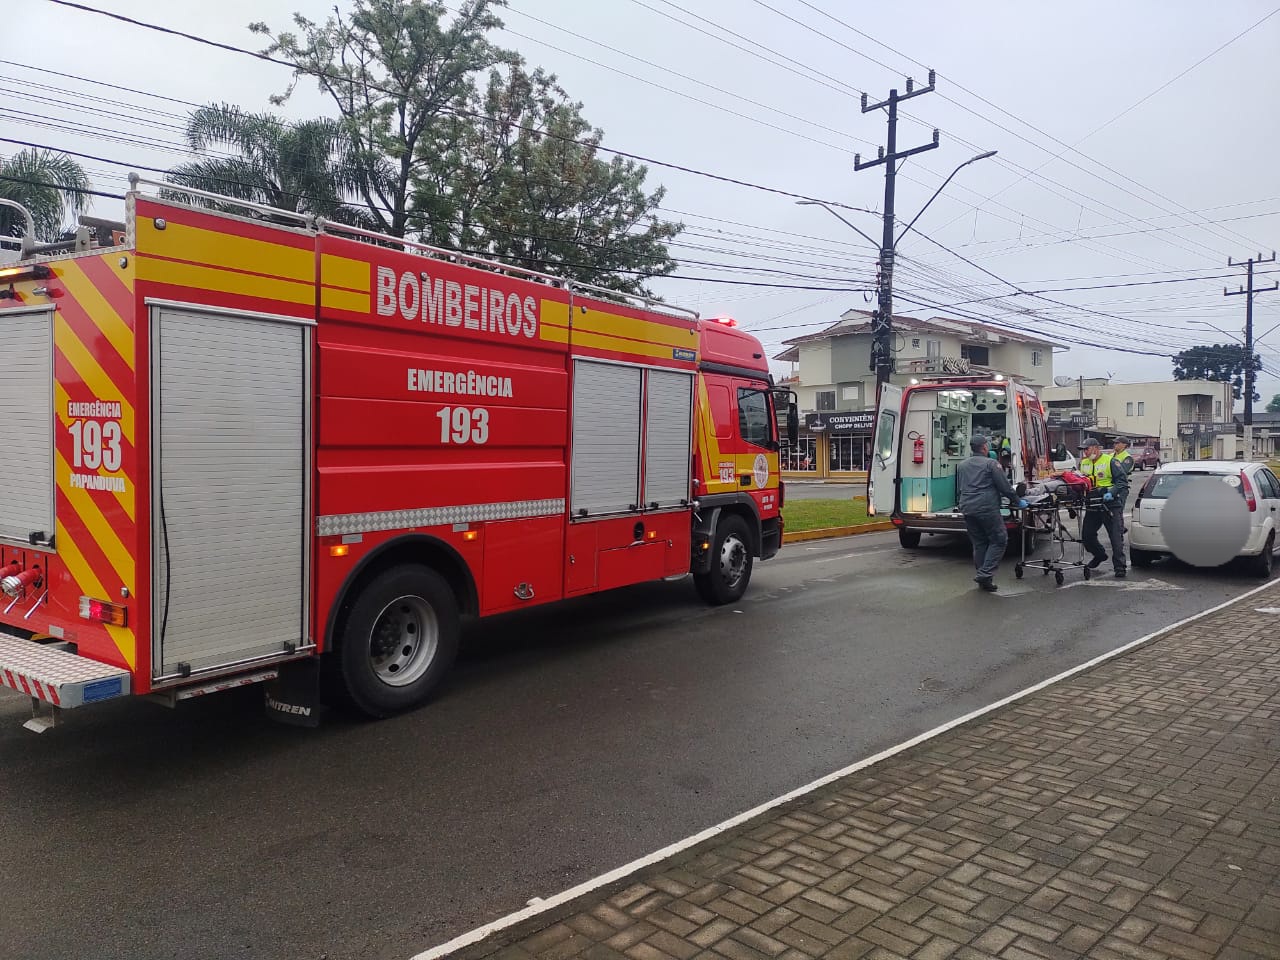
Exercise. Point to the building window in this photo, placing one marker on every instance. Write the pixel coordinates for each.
(915, 343)
(825, 399)
(849, 453)
(1217, 410)
(933, 348)
(979, 355)
(1037, 358)
(851, 393)
(1128, 409)
(804, 457)
(1142, 409)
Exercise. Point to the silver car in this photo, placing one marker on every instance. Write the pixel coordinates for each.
(1257, 485)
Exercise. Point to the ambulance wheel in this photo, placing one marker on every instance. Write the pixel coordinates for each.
(731, 563)
(1058, 578)
(1018, 571)
(909, 539)
(399, 641)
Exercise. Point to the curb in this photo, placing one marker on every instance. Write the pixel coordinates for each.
(828, 533)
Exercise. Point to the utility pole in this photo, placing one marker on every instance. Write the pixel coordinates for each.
(882, 320)
(1249, 372)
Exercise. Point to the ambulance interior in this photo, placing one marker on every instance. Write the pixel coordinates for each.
(939, 424)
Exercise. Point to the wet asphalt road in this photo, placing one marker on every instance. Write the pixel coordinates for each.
(570, 741)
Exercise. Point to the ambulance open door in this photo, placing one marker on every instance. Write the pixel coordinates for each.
(882, 478)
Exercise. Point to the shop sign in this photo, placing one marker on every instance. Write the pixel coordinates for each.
(827, 422)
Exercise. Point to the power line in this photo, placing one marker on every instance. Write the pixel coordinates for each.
(1073, 148)
(456, 111)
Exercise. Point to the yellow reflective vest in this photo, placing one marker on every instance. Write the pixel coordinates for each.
(1099, 469)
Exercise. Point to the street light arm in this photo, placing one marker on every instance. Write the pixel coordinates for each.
(981, 156)
(819, 203)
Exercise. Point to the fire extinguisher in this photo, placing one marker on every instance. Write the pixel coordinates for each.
(917, 451)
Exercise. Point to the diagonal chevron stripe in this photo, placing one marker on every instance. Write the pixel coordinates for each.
(101, 312)
(91, 372)
(91, 586)
(96, 525)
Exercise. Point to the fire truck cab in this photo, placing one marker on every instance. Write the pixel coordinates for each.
(245, 446)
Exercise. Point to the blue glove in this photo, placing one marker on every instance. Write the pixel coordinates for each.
(1108, 496)
(1022, 504)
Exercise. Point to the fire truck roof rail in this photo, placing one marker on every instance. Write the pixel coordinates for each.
(303, 218)
(322, 225)
(332, 226)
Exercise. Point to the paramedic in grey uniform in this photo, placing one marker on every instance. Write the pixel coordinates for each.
(980, 486)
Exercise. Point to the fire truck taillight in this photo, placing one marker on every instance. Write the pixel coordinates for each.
(103, 612)
(16, 584)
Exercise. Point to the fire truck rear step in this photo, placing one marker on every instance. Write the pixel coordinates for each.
(55, 677)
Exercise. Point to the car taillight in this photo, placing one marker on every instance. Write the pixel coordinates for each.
(1246, 488)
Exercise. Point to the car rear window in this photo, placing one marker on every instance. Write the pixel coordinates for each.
(1162, 484)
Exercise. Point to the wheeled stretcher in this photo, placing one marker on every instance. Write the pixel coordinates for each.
(1042, 519)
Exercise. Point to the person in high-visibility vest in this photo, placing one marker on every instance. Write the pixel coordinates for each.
(1105, 506)
(1120, 451)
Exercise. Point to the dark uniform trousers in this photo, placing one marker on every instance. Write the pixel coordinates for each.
(1111, 516)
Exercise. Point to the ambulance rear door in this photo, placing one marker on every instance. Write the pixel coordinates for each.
(882, 480)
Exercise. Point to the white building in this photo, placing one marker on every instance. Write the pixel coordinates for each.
(832, 377)
(1185, 416)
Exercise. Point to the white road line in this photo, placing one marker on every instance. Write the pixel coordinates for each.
(618, 873)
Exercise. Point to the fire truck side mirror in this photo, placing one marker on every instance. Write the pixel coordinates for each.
(793, 425)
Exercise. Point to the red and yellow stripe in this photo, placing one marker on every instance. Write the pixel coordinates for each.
(94, 359)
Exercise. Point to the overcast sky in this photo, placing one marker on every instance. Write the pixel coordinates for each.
(1166, 144)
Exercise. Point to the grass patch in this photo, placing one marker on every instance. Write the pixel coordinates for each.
(821, 514)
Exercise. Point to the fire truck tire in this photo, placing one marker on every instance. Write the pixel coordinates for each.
(400, 639)
(731, 563)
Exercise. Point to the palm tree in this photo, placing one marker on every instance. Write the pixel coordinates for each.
(49, 184)
(306, 167)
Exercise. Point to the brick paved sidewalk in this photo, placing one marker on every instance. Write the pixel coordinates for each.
(1132, 811)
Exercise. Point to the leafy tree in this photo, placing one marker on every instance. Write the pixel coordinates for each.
(1273, 405)
(49, 184)
(1221, 362)
(394, 71)
(526, 183)
(305, 167)
(459, 144)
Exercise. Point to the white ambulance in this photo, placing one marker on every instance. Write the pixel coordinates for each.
(922, 435)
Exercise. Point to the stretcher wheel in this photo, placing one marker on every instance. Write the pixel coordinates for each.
(1046, 571)
(1059, 578)
(1088, 574)
(1017, 571)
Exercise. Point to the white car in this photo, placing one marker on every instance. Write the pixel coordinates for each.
(1257, 485)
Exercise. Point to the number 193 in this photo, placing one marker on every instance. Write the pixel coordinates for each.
(462, 425)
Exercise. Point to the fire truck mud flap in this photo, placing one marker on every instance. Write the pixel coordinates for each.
(56, 679)
(293, 695)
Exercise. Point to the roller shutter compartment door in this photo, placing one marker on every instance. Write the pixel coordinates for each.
(26, 423)
(668, 439)
(606, 439)
(229, 460)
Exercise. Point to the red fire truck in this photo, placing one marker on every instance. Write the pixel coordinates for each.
(250, 446)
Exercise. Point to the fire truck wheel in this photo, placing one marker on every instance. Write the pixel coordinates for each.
(731, 563)
(400, 640)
